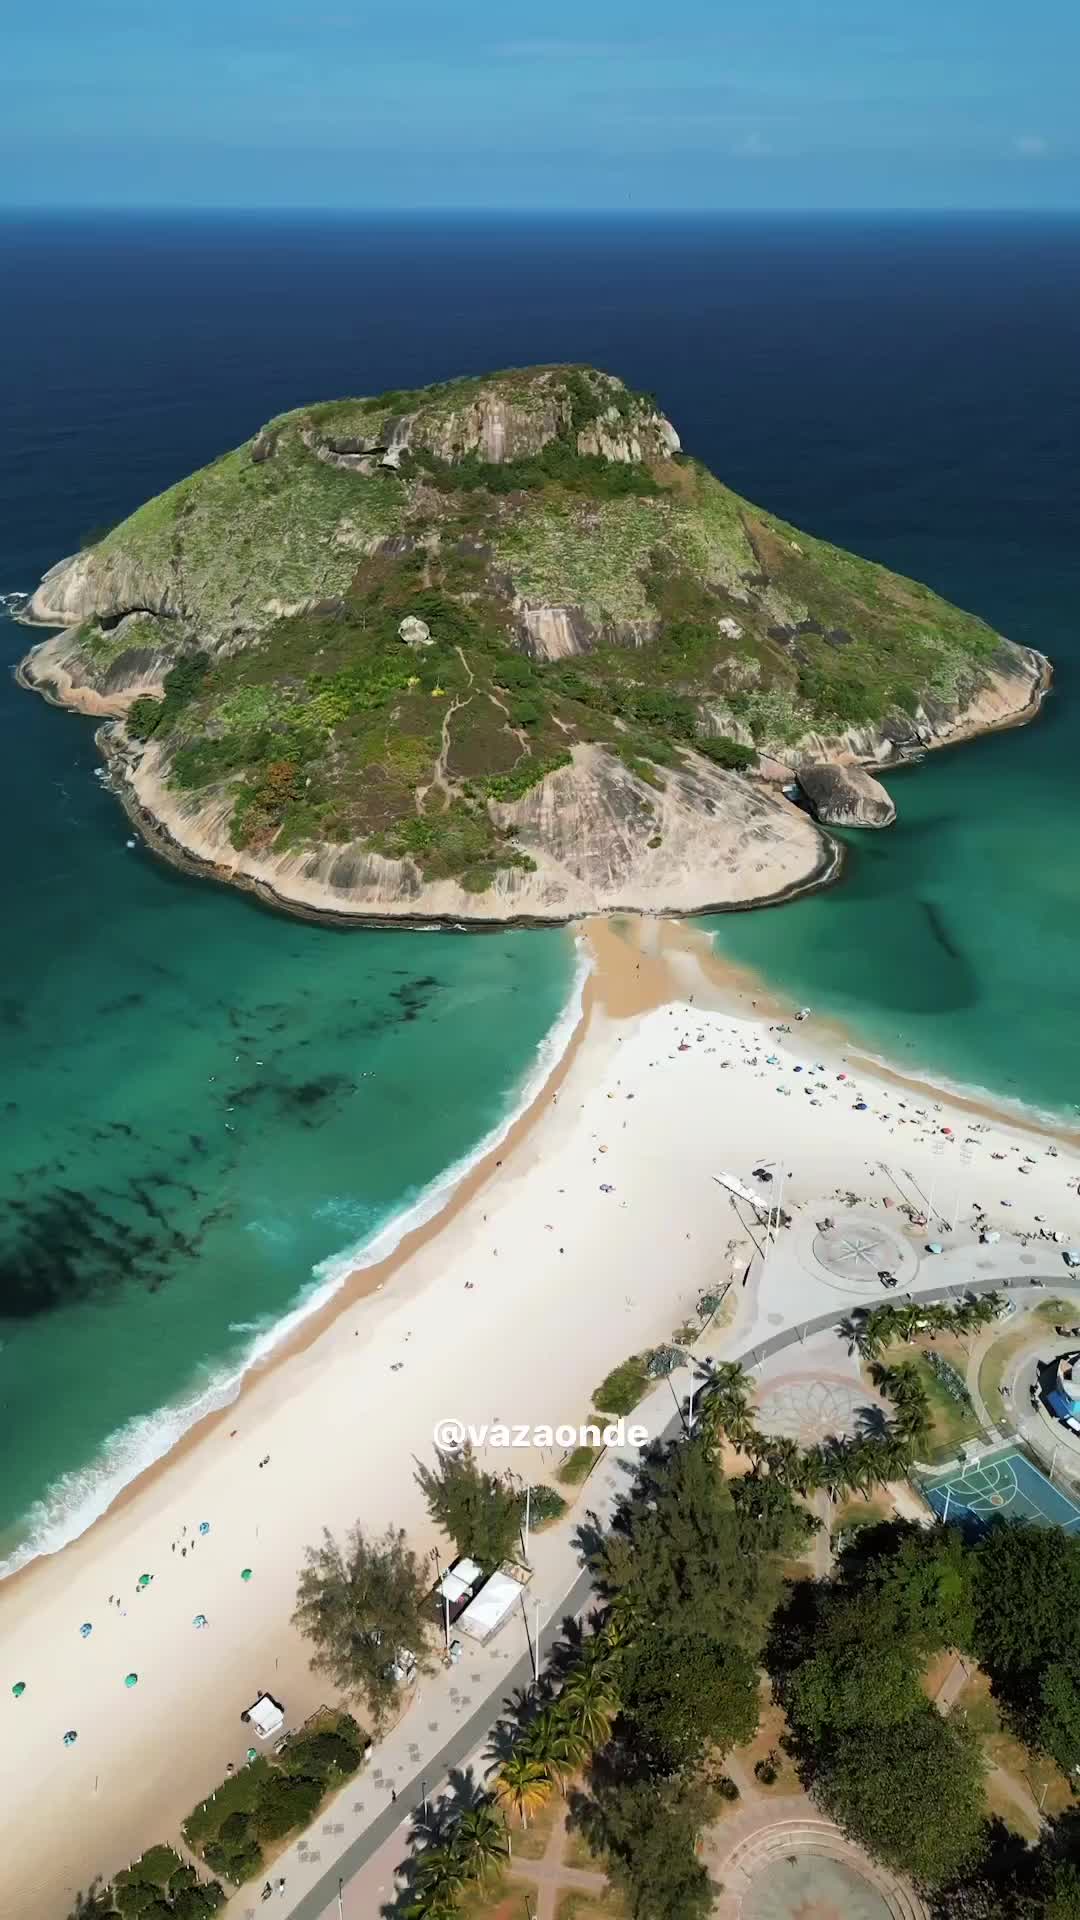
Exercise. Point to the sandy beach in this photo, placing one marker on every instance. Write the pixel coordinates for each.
(588, 1234)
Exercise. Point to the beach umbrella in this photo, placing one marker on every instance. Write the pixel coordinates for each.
(70, 1737)
(245, 1573)
(251, 1754)
(199, 1620)
(204, 1526)
(860, 1106)
(86, 1629)
(145, 1579)
(131, 1680)
(19, 1689)
(933, 1246)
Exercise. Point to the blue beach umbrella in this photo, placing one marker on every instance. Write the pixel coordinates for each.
(70, 1737)
(204, 1526)
(86, 1629)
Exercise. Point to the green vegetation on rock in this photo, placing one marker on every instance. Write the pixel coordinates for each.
(581, 583)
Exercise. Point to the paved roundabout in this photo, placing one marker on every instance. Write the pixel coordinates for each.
(803, 1868)
(851, 1254)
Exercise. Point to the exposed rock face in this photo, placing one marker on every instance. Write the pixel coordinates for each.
(612, 630)
(603, 840)
(845, 796)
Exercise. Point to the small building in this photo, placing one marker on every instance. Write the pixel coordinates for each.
(490, 1606)
(266, 1715)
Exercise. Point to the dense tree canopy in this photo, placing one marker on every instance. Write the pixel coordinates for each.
(359, 1605)
(479, 1511)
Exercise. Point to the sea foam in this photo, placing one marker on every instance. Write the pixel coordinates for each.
(79, 1498)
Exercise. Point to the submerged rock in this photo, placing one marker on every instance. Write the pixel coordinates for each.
(845, 796)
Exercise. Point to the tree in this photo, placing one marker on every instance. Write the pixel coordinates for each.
(480, 1513)
(479, 1840)
(688, 1554)
(913, 1799)
(687, 1693)
(360, 1605)
(588, 1699)
(552, 1742)
(648, 1830)
(523, 1784)
(1056, 1718)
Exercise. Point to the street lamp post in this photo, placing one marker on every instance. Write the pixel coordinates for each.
(340, 1909)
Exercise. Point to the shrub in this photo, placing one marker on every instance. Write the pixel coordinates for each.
(623, 1388)
(143, 717)
(545, 1505)
(725, 752)
(321, 1755)
(284, 1803)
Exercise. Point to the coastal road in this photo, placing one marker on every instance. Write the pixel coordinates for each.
(429, 1774)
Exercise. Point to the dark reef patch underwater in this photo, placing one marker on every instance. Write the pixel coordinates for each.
(918, 402)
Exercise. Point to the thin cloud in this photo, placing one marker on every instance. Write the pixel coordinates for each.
(560, 49)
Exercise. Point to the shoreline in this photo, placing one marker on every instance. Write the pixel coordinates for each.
(667, 946)
(575, 1261)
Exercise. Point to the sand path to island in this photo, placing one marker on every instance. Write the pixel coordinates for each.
(513, 1304)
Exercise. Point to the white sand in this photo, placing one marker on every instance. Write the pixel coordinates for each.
(567, 1281)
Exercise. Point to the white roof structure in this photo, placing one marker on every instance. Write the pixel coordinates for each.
(489, 1608)
(737, 1186)
(456, 1583)
(266, 1716)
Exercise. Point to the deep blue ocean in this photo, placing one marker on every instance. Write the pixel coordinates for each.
(910, 388)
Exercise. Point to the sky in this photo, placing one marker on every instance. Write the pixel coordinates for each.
(578, 104)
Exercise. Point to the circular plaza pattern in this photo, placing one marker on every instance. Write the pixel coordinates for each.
(811, 1886)
(812, 1409)
(857, 1248)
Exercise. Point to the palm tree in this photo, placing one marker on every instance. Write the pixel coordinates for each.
(480, 1841)
(523, 1784)
(554, 1744)
(590, 1703)
(441, 1877)
(782, 1457)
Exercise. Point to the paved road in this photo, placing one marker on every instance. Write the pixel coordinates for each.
(321, 1899)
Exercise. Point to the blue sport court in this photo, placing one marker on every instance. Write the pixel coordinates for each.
(1003, 1486)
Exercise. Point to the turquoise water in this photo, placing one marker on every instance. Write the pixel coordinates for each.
(950, 943)
(910, 389)
(207, 1107)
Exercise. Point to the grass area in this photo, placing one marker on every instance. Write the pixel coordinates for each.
(623, 1387)
(240, 1826)
(766, 1747)
(952, 1422)
(572, 1904)
(705, 623)
(531, 1842)
(1034, 1771)
(578, 1465)
(997, 1360)
(856, 1512)
(505, 1899)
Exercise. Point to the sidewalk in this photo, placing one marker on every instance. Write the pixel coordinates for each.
(362, 1834)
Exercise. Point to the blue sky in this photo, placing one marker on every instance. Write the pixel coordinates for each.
(606, 103)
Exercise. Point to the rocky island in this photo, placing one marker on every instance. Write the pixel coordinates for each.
(498, 650)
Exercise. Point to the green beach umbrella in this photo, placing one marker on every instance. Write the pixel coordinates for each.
(145, 1579)
(245, 1573)
(252, 1755)
(131, 1680)
(19, 1689)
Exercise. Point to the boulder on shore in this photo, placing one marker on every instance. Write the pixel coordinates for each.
(845, 796)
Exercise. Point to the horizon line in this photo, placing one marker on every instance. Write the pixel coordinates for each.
(174, 209)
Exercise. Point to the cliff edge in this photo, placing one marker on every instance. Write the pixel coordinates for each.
(496, 650)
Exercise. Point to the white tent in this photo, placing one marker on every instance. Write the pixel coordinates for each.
(458, 1581)
(489, 1608)
(267, 1716)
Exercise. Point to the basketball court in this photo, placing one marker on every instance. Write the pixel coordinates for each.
(1005, 1485)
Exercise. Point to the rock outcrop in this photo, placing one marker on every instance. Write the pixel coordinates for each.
(496, 650)
(845, 796)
